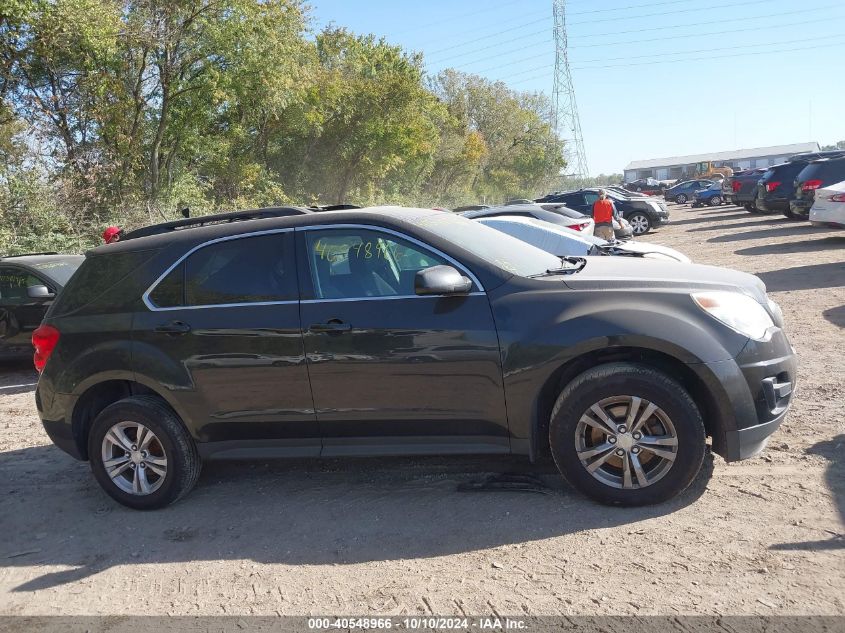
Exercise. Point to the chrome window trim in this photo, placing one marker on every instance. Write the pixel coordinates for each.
(389, 298)
(320, 227)
(399, 234)
(154, 308)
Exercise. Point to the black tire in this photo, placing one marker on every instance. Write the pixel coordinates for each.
(183, 461)
(751, 207)
(715, 201)
(790, 215)
(628, 379)
(681, 198)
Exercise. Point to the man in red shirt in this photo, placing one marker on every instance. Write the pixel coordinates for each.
(603, 212)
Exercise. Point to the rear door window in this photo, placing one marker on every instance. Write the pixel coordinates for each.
(251, 269)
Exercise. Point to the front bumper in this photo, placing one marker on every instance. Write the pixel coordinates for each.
(753, 393)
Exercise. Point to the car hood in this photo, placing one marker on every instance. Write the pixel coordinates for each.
(644, 249)
(604, 273)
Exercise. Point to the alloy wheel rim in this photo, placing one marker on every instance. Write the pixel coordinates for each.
(681, 199)
(134, 458)
(626, 442)
(639, 223)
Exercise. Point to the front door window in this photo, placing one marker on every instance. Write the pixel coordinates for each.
(359, 263)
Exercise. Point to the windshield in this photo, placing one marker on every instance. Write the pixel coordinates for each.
(500, 249)
(59, 270)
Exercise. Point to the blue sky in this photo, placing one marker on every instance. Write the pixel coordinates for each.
(653, 78)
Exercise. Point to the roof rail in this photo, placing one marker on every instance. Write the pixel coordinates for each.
(218, 218)
(334, 207)
(810, 156)
(28, 254)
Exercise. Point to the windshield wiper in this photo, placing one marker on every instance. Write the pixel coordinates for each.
(576, 264)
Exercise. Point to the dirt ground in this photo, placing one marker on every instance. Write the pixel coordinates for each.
(764, 536)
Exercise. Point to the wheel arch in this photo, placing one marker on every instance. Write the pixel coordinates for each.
(99, 395)
(683, 372)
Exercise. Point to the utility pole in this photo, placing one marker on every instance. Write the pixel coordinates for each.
(565, 116)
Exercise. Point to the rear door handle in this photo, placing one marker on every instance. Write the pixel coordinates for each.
(174, 328)
(335, 325)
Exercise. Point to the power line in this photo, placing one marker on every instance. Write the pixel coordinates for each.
(487, 37)
(461, 15)
(637, 41)
(612, 59)
(547, 74)
(445, 60)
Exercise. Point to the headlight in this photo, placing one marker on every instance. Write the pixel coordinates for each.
(739, 312)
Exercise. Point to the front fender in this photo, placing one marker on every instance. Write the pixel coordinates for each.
(539, 336)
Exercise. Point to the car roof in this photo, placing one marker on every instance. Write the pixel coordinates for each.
(37, 258)
(401, 216)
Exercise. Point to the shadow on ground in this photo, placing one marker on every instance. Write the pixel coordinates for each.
(293, 512)
(834, 451)
(801, 246)
(836, 316)
(830, 275)
(798, 230)
(760, 222)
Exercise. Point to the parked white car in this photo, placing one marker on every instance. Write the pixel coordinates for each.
(561, 241)
(829, 206)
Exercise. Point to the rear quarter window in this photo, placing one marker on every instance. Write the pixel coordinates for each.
(106, 279)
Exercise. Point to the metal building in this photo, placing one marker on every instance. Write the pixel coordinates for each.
(676, 167)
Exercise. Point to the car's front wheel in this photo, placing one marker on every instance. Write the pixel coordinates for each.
(681, 198)
(627, 434)
(715, 201)
(141, 454)
(640, 223)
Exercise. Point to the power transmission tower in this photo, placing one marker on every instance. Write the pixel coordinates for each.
(565, 116)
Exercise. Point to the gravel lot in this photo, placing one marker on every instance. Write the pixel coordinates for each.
(763, 536)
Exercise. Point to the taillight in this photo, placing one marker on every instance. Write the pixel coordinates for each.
(736, 185)
(771, 186)
(811, 185)
(838, 197)
(578, 227)
(44, 340)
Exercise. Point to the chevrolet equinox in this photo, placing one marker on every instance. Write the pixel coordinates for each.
(389, 331)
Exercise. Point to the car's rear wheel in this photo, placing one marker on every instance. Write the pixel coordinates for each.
(681, 198)
(790, 215)
(640, 223)
(715, 201)
(627, 434)
(751, 207)
(141, 454)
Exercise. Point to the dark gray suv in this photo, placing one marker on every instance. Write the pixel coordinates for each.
(403, 331)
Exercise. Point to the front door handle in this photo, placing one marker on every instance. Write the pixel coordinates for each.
(173, 328)
(332, 326)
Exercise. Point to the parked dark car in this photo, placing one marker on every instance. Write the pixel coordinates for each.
(817, 174)
(643, 214)
(777, 186)
(403, 331)
(648, 186)
(741, 188)
(682, 191)
(712, 195)
(28, 285)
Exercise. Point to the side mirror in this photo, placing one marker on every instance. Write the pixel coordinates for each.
(441, 280)
(39, 292)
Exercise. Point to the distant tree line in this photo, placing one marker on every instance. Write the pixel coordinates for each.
(121, 111)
